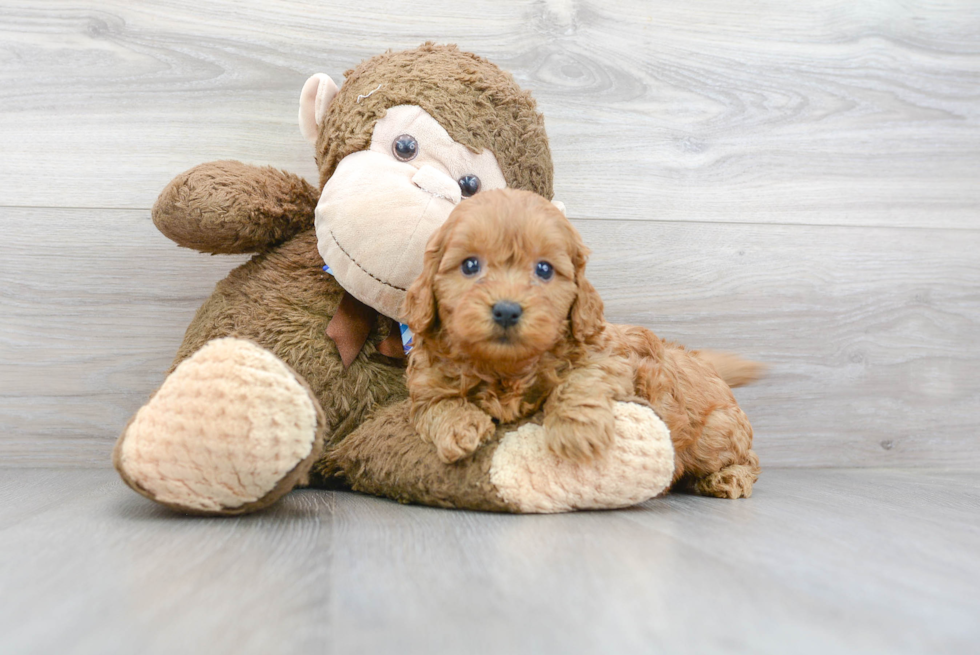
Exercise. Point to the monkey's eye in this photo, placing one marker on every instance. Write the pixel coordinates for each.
(405, 147)
(544, 270)
(469, 185)
(470, 266)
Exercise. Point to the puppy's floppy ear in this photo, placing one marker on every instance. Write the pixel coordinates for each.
(586, 314)
(420, 311)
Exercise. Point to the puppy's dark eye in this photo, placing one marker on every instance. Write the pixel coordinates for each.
(469, 185)
(470, 266)
(544, 270)
(405, 147)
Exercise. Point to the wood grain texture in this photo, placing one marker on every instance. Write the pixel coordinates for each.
(817, 561)
(93, 304)
(872, 335)
(821, 113)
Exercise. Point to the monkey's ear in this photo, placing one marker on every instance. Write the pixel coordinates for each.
(314, 99)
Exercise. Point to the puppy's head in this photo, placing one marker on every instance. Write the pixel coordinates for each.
(504, 279)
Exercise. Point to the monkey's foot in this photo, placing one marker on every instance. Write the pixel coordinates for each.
(636, 466)
(231, 430)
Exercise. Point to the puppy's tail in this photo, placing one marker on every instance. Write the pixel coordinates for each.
(735, 371)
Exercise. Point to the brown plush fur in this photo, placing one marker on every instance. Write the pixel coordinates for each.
(385, 457)
(229, 207)
(281, 299)
(467, 369)
(479, 104)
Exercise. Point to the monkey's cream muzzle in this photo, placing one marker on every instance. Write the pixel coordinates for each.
(373, 220)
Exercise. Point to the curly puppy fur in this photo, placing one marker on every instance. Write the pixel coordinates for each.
(475, 364)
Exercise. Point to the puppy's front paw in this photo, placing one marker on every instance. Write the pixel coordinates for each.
(462, 433)
(580, 433)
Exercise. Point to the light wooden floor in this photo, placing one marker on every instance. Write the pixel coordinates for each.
(798, 182)
(856, 561)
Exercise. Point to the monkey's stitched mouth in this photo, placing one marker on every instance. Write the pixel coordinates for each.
(355, 263)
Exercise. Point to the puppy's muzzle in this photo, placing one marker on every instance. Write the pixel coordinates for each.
(506, 313)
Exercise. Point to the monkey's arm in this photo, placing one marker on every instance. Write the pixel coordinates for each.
(227, 207)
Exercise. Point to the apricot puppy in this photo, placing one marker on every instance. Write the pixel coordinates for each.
(506, 324)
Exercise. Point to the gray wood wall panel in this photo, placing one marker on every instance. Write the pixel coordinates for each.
(825, 113)
(798, 183)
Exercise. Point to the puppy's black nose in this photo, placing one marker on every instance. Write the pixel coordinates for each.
(506, 313)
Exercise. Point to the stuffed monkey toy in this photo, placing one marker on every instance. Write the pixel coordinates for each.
(293, 372)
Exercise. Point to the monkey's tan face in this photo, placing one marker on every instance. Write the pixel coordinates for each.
(380, 206)
(506, 281)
